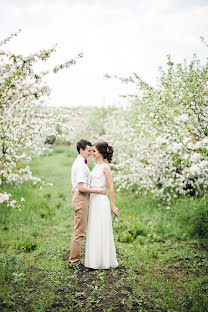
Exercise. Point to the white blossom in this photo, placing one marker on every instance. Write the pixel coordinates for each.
(4, 197)
(25, 120)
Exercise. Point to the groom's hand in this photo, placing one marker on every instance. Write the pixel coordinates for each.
(103, 191)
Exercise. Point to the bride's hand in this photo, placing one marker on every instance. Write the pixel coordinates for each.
(115, 211)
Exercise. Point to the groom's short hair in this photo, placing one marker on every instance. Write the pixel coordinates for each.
(82, 144)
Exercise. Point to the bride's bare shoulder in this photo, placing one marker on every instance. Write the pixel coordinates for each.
(106, 167)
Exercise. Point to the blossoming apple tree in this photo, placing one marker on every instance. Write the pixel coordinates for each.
(161, 139)
(24, 122)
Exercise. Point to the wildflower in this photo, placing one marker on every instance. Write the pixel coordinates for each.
(116, 219)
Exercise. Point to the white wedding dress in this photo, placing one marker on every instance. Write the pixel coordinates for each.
(100, 252)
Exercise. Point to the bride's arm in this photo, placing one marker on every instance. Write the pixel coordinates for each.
(109, 177)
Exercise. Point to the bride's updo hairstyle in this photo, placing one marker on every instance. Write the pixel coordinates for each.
(105, 150)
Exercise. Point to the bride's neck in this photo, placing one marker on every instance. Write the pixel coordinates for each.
(100, 161)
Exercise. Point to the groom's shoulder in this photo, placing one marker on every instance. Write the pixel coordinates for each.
(78, 163)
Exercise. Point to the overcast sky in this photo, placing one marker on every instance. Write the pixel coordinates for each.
(116, 37)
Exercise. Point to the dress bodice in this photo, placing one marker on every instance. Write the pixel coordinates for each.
(98, 178)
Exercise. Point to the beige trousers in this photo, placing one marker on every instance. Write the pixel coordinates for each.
(80, 204)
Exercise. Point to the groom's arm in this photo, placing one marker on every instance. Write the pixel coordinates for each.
(97, 190)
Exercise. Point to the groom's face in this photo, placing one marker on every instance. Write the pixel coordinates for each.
(87, 151)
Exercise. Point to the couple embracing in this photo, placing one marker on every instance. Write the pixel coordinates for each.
(92, 208)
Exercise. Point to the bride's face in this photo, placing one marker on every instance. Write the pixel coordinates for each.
(96, 154)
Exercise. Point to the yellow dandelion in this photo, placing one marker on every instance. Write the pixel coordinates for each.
(28, 202)
(129, 217)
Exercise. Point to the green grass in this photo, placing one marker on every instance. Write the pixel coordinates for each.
(162, 252)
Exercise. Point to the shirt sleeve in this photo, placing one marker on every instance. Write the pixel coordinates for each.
(80, 173)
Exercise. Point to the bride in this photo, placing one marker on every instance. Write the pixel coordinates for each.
(100, 252)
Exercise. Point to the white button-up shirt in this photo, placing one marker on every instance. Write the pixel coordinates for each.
(80, 172)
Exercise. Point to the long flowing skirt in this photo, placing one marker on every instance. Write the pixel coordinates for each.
(100, 252)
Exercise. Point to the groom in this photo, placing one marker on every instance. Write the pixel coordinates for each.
(80, 176)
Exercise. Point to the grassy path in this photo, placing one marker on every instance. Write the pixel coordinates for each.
(160, 267)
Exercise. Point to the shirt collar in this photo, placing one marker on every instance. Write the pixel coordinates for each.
(81, 158)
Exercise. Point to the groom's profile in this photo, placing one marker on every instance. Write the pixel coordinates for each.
(80, 177)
